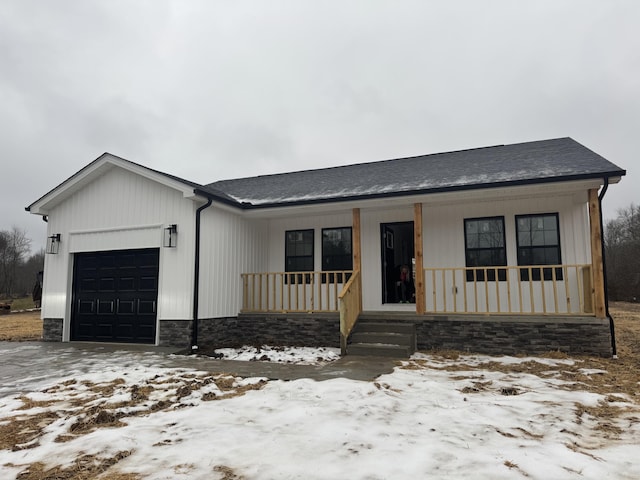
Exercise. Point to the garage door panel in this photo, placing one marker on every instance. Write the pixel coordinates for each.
(126, 307)
(148, 284)
(86, 307)
(146, 308)
(147, 260)
(88, 285)
(107, 284)
(127, 284)
(115, 296)
(106, 307)
(129, 260)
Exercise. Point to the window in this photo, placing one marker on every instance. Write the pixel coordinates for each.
(485, 247)
(336, 251)
(299, 251)
(538, 238)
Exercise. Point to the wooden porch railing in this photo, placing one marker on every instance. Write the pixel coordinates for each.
(350, 308)
(293, 291)
(521, 290)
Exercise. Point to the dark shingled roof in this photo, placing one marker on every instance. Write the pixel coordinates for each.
(544, 161)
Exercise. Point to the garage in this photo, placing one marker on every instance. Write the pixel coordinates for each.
(115, 296)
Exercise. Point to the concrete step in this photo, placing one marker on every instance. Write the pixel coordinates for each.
(391, 338)
(379, 350)
(386, 327)
(383, 339)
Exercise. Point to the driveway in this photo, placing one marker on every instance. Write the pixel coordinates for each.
(26, 366)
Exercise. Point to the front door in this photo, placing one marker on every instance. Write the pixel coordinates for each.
(398, 262)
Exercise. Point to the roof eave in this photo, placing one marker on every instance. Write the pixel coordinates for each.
(613, 176)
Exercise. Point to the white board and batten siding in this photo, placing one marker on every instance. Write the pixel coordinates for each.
(444, 247)
(272, 241)
(443, 227)
(230, 245)
(120, 211)
(443, 233)
(278, 227)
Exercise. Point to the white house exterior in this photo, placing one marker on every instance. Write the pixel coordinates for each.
(278, 251)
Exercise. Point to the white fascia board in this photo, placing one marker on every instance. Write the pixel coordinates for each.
(614, 180)
(460, 196)
(94, 170)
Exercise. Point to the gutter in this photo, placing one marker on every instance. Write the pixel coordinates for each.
(196, 273)
(604, 272)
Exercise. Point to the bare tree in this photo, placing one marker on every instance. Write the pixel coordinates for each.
(622, 244)
(27, 274)
(14, 247)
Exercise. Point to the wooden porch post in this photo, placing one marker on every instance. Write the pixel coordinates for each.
(417, 245)
(597, 270)
(357, 246)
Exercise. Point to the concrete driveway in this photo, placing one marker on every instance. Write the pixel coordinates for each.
(27, 366)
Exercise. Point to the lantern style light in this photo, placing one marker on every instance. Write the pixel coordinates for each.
(170, 236)
(53, 244)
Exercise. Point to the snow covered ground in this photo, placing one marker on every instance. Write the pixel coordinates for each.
(432, 418)
(297, 355)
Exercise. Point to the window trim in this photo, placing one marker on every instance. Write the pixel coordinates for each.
(478, 275)
(547, 274)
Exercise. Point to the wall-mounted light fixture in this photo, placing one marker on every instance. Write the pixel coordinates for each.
(170, 236)
(53, 243)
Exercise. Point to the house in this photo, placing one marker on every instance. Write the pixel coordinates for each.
(495, 249)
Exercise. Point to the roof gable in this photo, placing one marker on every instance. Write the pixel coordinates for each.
(99, 167)
(561, 159)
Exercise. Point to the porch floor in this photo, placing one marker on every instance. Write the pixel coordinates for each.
(382, 315)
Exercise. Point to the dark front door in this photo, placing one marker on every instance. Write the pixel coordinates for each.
(397, 257)
(115, 296)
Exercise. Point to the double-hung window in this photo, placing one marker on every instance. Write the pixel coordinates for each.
(336, 252)
(485, 247)
(538, 238)
(299, 251)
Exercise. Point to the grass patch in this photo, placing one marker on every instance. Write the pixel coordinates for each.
(85, 467)
(22, 303)
(20, 327)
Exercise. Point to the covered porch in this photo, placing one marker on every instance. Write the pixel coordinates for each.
(520, 293)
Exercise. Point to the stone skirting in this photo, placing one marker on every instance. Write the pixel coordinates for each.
(52, 329)
(495, 335)
(175, 333)
(481, 334)
(528, 335)
(294, 329)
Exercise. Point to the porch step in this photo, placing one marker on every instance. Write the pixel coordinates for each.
(390, 338)
(364, 325)
(378, 350)
(386, 339)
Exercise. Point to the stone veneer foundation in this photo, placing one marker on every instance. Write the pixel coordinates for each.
(52, 329)
(294, 329)
(495, 335)
(175, 333)
(491, 335)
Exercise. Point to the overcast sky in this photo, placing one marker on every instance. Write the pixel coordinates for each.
(209, 90)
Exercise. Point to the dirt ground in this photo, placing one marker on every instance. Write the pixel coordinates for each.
(627, 324)
(20, 327)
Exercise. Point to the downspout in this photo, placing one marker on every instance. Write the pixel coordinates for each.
(196, 278)
(604, 272)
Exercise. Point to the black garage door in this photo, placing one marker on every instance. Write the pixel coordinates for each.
(114, 296)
